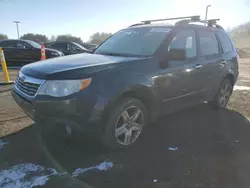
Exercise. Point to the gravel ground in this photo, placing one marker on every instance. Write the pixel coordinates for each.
(12, 118)
(240, 100)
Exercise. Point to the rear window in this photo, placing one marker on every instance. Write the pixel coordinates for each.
(225, 42)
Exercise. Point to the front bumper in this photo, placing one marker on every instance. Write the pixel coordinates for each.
(80, 113)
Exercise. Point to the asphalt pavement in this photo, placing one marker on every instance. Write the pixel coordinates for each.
(197, 147)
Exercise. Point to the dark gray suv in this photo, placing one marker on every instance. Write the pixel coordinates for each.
(138, 74)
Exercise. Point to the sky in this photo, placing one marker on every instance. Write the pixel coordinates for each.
(82, 18)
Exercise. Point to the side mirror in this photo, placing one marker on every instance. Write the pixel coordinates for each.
(177, 54)
(78, 49)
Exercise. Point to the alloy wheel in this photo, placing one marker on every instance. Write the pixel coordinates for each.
(129, 125)
(225, 93)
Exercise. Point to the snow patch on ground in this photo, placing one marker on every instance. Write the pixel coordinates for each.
(31, 175)
(173, 149)
(104, 166)
(25, 175)
(241, 88)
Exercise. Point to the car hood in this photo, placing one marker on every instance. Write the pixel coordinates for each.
(74, 66)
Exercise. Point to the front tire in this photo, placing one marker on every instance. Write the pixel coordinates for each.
(223, 94)
(127, 119)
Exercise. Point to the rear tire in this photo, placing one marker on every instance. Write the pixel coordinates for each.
(223, 94)
(127, 120)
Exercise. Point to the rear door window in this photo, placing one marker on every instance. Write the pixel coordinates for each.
(208, 43)
(225, 42)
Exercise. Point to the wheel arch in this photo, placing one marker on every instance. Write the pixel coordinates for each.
(230, 76)
(142, 93)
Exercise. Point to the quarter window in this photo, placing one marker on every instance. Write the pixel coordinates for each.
(185, 40)
(225, 42)
(208, 43)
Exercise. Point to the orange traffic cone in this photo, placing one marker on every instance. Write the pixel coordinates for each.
(43, 56)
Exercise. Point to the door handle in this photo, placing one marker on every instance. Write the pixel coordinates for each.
(198, 66)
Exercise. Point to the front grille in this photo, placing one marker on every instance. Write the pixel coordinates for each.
(26, 87)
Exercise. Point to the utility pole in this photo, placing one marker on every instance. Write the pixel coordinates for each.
(206, 14)
(17, 28)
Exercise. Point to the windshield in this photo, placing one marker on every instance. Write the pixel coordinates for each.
(34, 44)
(142, 41)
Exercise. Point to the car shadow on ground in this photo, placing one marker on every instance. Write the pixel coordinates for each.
(197, 147)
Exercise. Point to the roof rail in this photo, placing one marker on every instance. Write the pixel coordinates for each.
(177, 18)
(213, 22)
(185, 20)
(136, 24)
(210, 23)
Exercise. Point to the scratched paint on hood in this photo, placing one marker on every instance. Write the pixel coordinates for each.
(25, 175)
(2, 143)
(104, 166)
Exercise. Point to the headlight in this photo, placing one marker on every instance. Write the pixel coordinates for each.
(55, 54)
(61, 88)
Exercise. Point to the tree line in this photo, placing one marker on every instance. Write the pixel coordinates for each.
(96, 38)
(241, 35)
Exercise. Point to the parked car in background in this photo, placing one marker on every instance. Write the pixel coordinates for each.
(92, 49)
(89, 45)
(21, 52)
(135, 76)
(46, 44)
(68, 48)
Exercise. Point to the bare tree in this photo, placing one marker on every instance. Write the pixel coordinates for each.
(52, 38)
(98, 38)
(241, 35)
(35, 37)
(3, 37)
(69, 37)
